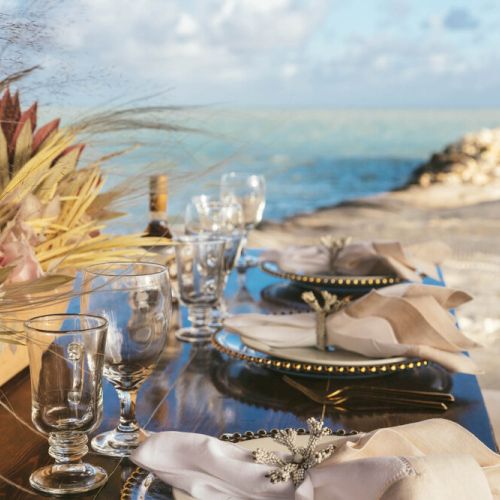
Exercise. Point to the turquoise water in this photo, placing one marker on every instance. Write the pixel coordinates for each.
(311, 158)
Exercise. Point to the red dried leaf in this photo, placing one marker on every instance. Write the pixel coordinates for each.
(3, 101)
(29, 114)
(80, 148)
(10, 117)
(43, 133)
(17, 105)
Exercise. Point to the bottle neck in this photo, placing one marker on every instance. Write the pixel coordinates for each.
(160, 215)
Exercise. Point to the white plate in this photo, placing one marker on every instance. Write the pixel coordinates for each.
(336, 357)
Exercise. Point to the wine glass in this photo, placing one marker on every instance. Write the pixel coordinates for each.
(66, 353)
(199, 260)
(205, 215)
(136, 300)
(250, 192)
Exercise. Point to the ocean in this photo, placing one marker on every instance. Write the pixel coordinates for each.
(310, 158)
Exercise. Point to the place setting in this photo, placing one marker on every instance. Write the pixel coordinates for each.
(346, 267)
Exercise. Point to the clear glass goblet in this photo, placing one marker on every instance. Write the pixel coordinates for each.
(200, 277)
(249, 191)
(66, 353)
(136, 300)
(205, 215)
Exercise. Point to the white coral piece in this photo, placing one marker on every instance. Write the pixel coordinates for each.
(302, 458)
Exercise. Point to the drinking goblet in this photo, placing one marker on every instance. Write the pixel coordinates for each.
(205, 215)
(199, 274)
(250, 192)
(66, 353)
(135, 298)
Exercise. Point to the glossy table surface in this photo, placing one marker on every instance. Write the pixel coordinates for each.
(201, 390)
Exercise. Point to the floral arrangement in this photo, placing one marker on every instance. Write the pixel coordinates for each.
(52, 211)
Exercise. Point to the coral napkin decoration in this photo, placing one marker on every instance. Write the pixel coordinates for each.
(410, 320)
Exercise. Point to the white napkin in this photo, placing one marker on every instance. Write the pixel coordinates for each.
(433, 459)
(400, 320)
(356, 259)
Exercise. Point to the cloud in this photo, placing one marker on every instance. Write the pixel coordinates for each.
(271, 52)
(460, 19)
(213, 40)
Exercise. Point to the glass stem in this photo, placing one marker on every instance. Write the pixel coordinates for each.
(128, 422)
(68, 447)
(199, 316)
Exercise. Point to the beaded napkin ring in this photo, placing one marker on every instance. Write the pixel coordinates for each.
(331, 304)
(302, 458)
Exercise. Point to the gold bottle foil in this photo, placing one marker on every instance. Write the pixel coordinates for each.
(158, 193)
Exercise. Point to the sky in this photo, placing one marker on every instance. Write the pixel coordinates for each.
(271, 53)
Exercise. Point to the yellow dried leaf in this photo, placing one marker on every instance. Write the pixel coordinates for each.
(63, 167)
(22, 153)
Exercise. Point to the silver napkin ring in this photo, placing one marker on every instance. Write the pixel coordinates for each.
(331, 304)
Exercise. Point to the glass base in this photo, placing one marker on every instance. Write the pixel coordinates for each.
(63, 479)
(196, 335)
(119, 444)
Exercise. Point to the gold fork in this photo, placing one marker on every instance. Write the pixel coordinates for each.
(379, 401)
(391, 391)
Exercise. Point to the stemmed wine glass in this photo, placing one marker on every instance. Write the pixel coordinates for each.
(250, 192)
(136, 300)
(205, 215)
(199, 260)
(223, 219)
(66, 353)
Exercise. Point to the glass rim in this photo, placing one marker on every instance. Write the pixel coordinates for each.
(161, 269)
(59, 316)
(242, 175)
(186, 239)
(214, 202)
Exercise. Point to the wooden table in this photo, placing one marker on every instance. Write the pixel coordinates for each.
(202, 391)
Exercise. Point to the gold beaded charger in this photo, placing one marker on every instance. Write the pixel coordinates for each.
(335, 283)
(310, 361)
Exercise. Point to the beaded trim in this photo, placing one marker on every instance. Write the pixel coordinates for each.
(318, 369)
(360, 281)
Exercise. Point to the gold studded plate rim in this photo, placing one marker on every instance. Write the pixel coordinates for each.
(273, 269)
(318, 370)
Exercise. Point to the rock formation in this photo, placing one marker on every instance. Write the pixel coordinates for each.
(474, 159)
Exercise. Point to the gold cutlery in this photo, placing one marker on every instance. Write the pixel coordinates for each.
(369, 402)
(433, 395)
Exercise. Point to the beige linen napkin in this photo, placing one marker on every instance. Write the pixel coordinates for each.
(433, 459)
(356, 259)
(400, 320)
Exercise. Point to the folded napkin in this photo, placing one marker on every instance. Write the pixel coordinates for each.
(355, 259)
(400, 320)
(435, 458)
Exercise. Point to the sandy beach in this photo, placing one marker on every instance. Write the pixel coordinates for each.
(462, 215)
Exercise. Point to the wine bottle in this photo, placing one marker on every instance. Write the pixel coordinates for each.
(158, 202)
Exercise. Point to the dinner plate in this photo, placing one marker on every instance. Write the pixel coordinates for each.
(143, 485)
(333, 283)
(335, 357)
(340, 364)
